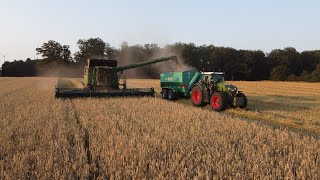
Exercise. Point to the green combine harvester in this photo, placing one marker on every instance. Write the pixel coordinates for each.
(102, 79)
(203, 87)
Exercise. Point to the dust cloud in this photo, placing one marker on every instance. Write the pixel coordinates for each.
(126, 57)
(170, 65)
(54, 71)
(153, 70)
(60, 70)
(45, 84)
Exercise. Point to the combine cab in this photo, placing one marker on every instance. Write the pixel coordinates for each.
(102, 79)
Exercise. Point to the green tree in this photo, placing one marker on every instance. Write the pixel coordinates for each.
(189, 54)
(54, 51)
(315, 75)
(255, 64)
(288, 57)
(279, 73)
(228, 60)
(93, 48)
(310, 59)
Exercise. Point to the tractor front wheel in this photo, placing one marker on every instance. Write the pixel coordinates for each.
(219, 101)
(196, 96)
(245, 100)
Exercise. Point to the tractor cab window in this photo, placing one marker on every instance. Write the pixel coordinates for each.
(216, 78)
(206, 79)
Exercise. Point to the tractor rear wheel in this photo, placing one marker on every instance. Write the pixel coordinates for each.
(170, 94)
(164, 93)
(219, 101)
(245, 100)
(196, 96)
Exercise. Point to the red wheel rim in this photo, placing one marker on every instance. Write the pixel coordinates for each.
(196, 96)
(215, 102)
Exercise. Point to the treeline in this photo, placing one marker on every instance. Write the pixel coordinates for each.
(280, 64)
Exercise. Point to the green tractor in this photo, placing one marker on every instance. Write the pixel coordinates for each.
(203, 87)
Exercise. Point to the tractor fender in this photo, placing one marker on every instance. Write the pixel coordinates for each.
(201, 86)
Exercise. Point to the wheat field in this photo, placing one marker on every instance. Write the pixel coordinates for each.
(295, 105)
(150, 138)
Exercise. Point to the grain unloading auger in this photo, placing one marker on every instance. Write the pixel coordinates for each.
(101, 79)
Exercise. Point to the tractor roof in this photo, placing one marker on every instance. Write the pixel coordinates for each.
(219, 73)
(215, 73)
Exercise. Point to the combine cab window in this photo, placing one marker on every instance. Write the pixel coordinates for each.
(102, 62)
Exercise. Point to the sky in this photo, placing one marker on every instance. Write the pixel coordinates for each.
(246, 24)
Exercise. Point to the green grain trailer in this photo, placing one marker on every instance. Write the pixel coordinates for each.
(203, 87)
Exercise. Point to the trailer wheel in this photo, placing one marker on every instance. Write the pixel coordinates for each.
(164, 93)
(245, 100)
(170, 94)
(219, 101)
(196, 96)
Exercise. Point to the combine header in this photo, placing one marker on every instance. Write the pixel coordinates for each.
(101, 79)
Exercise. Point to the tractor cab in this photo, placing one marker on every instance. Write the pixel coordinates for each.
(206, 77)
(217, 77)
(212, 78)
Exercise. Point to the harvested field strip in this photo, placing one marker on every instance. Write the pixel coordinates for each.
(66, 83)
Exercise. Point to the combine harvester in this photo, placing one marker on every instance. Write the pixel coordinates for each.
(203, 87)
(101, 79)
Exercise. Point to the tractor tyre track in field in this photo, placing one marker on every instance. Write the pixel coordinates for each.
(93, 172)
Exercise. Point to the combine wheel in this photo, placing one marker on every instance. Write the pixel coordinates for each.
(219, 101)
(196, 96)
(164, 93)
(245, 100)
(171, 94)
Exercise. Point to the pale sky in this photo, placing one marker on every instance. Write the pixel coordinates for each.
(245, 24)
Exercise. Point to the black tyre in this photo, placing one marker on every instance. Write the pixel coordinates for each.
(245, 100)
(219, 101)
(171, 94)
(196, 96)
(164, 93)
